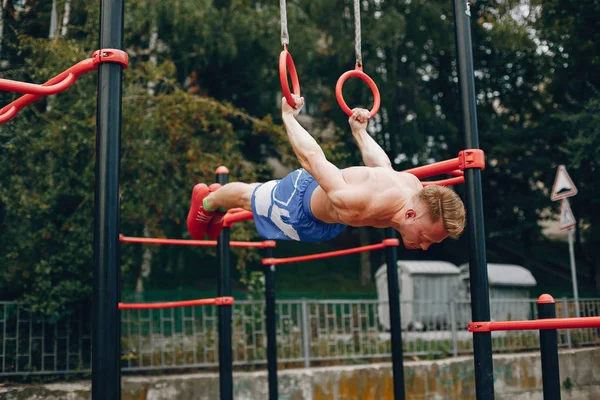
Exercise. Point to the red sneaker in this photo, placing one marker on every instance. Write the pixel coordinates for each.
(216, 224)
(198, 218)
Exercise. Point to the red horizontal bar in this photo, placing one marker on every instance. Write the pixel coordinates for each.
(236, 216)
(550, 323)
(445, 182)
(438, 168)
(288, 260)
(217, 301)
(202, 243)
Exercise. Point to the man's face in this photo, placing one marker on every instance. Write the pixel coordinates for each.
(420, 233)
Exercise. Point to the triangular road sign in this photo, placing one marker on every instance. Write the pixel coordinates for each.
(567, 219)
(563, 185)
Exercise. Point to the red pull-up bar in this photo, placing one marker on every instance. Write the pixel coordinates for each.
(217, 301)
(202, 243)
(57, 84)
(471, 158)
(549, 323)
(329, 254)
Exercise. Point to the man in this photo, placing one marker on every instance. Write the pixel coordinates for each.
(317, 202)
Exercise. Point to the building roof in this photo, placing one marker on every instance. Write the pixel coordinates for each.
(504, 275)
(423, 268)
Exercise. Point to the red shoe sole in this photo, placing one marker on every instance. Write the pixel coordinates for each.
(198, 218)
(216, 224)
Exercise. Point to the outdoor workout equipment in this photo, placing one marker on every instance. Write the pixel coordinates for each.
(60, 82)
(224, 300)
(472, 158)
(357, 72)
(286, 62)
(106, 382)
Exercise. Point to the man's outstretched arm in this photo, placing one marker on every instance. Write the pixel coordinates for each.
(372, 154)
(307, 150)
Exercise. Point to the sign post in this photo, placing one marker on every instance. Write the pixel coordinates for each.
(562, 189)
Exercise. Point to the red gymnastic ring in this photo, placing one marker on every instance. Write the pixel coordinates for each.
(285, 63)
(357, 73)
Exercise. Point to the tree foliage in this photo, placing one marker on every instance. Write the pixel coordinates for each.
(202, 90)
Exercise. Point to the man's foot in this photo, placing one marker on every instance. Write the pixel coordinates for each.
(216, 224)
(198, 218)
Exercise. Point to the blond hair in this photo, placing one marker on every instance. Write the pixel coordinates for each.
(445, 203)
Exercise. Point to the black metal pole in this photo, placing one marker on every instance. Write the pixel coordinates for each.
(549, 350)
(106, 340)
(391, 253)
(480, 302)
(271, 326)
(225, 311)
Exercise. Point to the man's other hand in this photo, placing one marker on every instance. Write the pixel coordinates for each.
(359, 119)
(287, 109)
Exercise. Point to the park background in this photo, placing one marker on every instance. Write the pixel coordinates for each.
(202, 90)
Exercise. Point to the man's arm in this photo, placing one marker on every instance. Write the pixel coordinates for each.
(372, 154)
(307, 150)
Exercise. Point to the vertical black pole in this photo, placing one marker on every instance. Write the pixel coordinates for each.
(106, 341)
(225, 312)
(480, 302)
(391, 253)
(549, 350)
(271, 326)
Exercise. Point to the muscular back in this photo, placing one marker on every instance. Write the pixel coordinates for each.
(370, 197)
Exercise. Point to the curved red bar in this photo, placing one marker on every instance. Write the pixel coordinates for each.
(236, 216)
(329, 254)
(286, 63)
(217, 301)
(358, 73)
(201, 243)
(32, 88)
(81, 67)
(60, 82)
(550, 323)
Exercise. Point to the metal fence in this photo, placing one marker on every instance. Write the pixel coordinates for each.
(309, 332)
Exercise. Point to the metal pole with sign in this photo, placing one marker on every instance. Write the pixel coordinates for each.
(562, 189)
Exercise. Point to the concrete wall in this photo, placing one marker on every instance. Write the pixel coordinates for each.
(516, 377)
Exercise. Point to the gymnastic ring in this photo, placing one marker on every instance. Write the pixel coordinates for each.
(286, 63)
(357, 73)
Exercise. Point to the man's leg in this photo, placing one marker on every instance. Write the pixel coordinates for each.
(210, 203)
(232, 195)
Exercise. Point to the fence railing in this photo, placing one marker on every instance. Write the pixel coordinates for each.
(309, 332)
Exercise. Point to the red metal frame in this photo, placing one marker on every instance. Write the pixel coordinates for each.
(550, 323)
(201, 243)
(445, 182)
(236, 215)
(217, 301)
(57, 84)
(470, 158)
(329, 254)
(357, 72)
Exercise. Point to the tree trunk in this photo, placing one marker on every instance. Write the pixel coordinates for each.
(153, 57)
(365, 261)
(146, 266)
(4, 4)
(66, 17)
(147, 257)
(53, 22)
